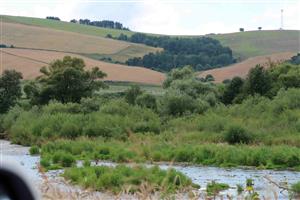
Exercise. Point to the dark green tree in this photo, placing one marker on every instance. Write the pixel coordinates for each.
(132, 93)
(147, 100)
(258, 81)
(209, 78)
(66, 81)
(10, 89)
(232, 90)
(186, 72)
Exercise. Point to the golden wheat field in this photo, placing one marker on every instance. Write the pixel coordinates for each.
(35, 37)
(29, 63)
(241, 69)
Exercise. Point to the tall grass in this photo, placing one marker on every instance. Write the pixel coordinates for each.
(116, 179)
(271, 157)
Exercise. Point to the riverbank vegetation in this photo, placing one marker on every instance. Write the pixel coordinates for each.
(241, 122)
(117, 179)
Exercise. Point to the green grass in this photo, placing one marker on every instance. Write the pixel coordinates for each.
(65, 26)
(214, 188)
(158, 149)
(296, 188)
(255, 43)
(119, 178)
(120, 87)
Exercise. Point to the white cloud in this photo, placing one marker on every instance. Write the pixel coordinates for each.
(156, 17)
(190, 17)
(63, 9)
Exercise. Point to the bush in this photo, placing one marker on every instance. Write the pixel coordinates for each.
(296, 188)
(132, 93)
(214, 188)
(67, 160)
(147, 101)
(34, 150)
(45, 162)
(64, 159)
(237, 135)
(176, 103)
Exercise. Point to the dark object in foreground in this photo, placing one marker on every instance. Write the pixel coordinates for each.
(13, 186)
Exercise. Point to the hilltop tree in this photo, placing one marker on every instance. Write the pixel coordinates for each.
(242, 29)
(53, 18)
(10, 89)
(66, 81)
(259, 28)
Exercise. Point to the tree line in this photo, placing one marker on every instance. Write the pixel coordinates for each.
(104, 23)
(201, 53)
(53, 18)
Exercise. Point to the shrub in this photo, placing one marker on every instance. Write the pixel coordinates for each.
(214, 188)
(34, 150)
(239, 188)
(57, 107)
(86, 163)
(132, 93)
(67, 160)
(64, 159)
(296, 188)
(237, 135)
(45, 162)
(147, 101)
(176, 103)
(70, 130)
(89, 105)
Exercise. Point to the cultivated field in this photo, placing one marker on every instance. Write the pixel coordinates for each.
(29, 62)
(35, 37)
(256, 43)
(64, 26)
(241, 69)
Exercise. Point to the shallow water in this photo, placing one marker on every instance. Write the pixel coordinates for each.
(199, 174)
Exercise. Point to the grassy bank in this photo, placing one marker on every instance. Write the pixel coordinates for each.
(144, 150)
(132, 179)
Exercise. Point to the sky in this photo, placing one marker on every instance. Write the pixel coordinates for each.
(173, 17)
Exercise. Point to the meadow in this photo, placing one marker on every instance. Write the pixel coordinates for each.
(35, 59)
(257, 43)
(57, 38)
(64, 26)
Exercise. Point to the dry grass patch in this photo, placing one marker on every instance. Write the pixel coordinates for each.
(29, 63)
(241, 69)
(49, 39)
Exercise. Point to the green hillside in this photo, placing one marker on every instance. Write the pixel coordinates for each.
(64, 26)
(244, 44)
(257, 43)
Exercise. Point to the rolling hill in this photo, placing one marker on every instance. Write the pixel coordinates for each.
(258, 43)
(30, 61)
(64, 26)
(34, 36)
(241, 69)
(40, 40)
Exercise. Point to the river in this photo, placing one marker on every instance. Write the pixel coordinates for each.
(199, 174)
